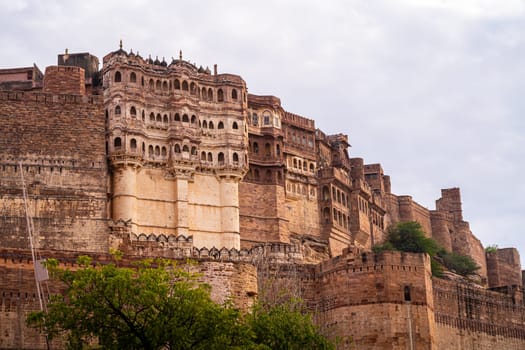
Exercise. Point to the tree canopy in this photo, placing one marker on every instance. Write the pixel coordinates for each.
(410, 237)
(157, 305)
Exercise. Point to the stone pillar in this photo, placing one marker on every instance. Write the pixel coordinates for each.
(181, 206)
(124, 193)
(230, 213)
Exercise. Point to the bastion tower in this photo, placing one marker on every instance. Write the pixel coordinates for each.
(177, 145)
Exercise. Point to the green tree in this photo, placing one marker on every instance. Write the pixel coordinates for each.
(157, 305)
(410, 237)
(286, 327)
(153, 305)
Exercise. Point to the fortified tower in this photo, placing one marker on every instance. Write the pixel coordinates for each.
(177, 148)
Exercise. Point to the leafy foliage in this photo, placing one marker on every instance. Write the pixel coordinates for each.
(156, 305)
(493, 248)
(286, 327)
(410, 237)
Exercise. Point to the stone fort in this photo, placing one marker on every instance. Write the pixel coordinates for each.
(178, 161)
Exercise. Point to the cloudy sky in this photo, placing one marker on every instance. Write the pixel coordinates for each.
(431, 89)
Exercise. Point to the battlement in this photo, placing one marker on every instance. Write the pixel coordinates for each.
(49, 97)
(65, 80)
(299, 121)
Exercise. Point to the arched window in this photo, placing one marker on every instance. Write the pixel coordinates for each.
(193, 119)
(151, 84)
(255, 119)
(159, 117)
(143, 116)
(304, 166)
(152, 117)
(193, 88)
(165, 86)
(266, 118)
(295, 163)
(220, 125)
(185, 148)
(235, 126)
(300, 165)
(221, 158)
(407, 293)
(203, 93)
(326, 193)
(194, 151)
(220, 95)
(312, 167)
(185, 85)
(210, 157)
(326, 215)
(150, 150)
(177, 117)
(234, 94)
(255, 147)
(117, 143)
(165, 119)
(163, 151)
(185, 118)
(117, 110)
(158, 85)
(235, 158)
(142, 81)
(278, 150)
(118, 77)
(176, 84)
(133, 144)
(132, 77)
(267, 149)
(210, 125)
(157, 150)
(177, 148)
(205, 124)
(133, 112)
(210, 94)
(203, 156)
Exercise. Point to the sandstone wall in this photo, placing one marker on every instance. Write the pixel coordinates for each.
(60, 140)
(504, 268)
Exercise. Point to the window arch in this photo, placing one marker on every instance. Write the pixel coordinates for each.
(312, 168)
(203, 156)
(117, 110)
(235, 126)
(185, 148)
(157, 150)
(152, 117)
(151, 84)
(255, 147)
(277, 149)
(117, 143)
(234, 94)
(165, 86)
(235, 157)
(143, 116)
(193, 119)
(132, 77)
(185, 118)
(205, 124)
(266, 118)
(220, 95)
(163, 151)
(158, 85)
(221, 158)
(193, 88)
(184, 85)
(133, 144)
(133, 112)
(326, 193)
(220, 125)
(177, 148)
(255, 119)
(177, 117)
(210, 157)
(165, 119)
(159, 117)
(194, 151)
(210, 94)
(176, 84)
(150, 150)
(118, 77)
(210, 125)
(305, 166)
